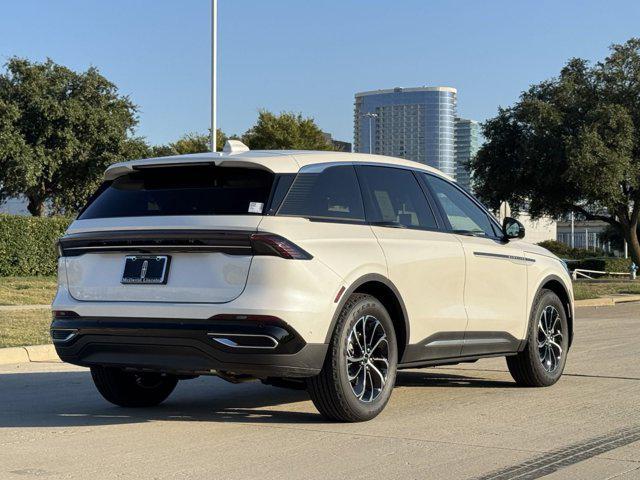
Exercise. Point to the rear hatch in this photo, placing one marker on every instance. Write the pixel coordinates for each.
(167, 234)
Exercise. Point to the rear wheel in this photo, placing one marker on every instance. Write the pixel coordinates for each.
(542, 361)
(359, 372)
(132, 389)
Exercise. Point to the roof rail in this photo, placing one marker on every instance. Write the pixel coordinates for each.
(234, 146)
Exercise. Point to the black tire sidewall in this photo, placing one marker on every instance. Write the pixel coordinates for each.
(545, 299)
(366, 306)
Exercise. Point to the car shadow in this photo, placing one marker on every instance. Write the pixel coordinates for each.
(68, 399)
(435, 378)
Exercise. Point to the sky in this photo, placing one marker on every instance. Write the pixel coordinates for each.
(310, 56)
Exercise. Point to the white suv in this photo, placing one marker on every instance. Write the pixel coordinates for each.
(323, 270)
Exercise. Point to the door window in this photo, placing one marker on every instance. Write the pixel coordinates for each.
(393, 196)
(463, 214)
(332, 193)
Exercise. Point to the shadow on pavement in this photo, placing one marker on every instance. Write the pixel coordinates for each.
(433, 378)
(67, 399)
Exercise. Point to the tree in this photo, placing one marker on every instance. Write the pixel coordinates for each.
(285, 131)
(571, 144)
(59, 130)
(190, 143)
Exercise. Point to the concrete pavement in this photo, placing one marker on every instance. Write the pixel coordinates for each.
(467, 422)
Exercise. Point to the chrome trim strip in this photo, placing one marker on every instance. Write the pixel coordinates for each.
(67, 338)
(503, 256)
(444, 343)
(483, 341)
(320, 167)
(466, 341)
(227, 342)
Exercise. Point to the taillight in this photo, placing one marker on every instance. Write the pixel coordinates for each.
(275, 245)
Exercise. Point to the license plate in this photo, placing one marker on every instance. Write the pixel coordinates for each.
(147, 269)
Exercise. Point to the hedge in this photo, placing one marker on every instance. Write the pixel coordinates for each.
(28, 244)
(566, 252)
(606, 264)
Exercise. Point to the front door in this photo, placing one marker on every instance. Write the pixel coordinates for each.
(495, 287)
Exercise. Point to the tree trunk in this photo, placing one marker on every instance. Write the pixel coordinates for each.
(631, 235)
(36, 207)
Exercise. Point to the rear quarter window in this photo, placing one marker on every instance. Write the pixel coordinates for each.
(184, 190)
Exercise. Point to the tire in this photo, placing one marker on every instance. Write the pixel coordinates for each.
(334, 395)
(129, 389)
(541, 363)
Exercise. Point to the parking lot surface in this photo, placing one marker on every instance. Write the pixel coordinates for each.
(467, 422)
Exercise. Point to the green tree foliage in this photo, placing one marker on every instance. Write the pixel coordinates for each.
(571, 144)
(190, 143)
(285, 131)
(59, 130)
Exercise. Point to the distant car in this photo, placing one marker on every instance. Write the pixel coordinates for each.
(321, 270)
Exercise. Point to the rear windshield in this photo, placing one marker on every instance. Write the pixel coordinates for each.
(190, 190)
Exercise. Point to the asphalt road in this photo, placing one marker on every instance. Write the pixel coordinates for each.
(467, 422)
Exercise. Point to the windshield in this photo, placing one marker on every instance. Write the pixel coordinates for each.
(183, 190)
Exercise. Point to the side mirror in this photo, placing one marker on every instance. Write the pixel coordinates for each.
(512, 228)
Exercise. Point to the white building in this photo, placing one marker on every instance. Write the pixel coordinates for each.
(536, 231)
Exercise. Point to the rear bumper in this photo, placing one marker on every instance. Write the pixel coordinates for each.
(258, 346)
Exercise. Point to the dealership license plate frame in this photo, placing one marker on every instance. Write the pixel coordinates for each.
(145, 270)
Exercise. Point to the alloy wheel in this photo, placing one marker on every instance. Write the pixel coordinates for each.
(367, 358)
(550, 339)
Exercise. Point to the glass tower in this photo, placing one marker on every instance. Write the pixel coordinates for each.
(413, 123)
(468, 140)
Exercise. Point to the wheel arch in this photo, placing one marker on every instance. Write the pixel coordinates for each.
(557, 286)
(386, 292)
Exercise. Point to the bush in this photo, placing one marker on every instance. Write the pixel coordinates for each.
(566, 252)
(28, 244)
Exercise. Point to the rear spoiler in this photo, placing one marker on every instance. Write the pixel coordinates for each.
(118, 169)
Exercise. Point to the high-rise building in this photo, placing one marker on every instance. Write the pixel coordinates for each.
(338, 145)
(413, 123)
(467, 144)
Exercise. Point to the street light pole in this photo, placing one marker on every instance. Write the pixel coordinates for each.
(370, 116)
(572, 231)
(214, 61)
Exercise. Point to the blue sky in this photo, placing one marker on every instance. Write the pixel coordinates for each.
(310, 56)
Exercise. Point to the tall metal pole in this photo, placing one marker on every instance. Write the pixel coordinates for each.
(214, 62)
(370, 116)
(572, 232)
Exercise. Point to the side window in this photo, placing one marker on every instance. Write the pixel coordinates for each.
(393, 195)
(282, 184)
(332, 193)
(463, 214)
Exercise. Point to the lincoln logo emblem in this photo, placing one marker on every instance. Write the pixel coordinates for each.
(143, 272)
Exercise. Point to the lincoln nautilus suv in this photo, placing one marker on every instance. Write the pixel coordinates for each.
(320, 270)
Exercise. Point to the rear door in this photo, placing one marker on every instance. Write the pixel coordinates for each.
(426, 264)
(323, 213)
(167, 234)
(496, 274)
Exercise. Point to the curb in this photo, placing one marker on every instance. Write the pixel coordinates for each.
(607, 301)
(30, 353)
